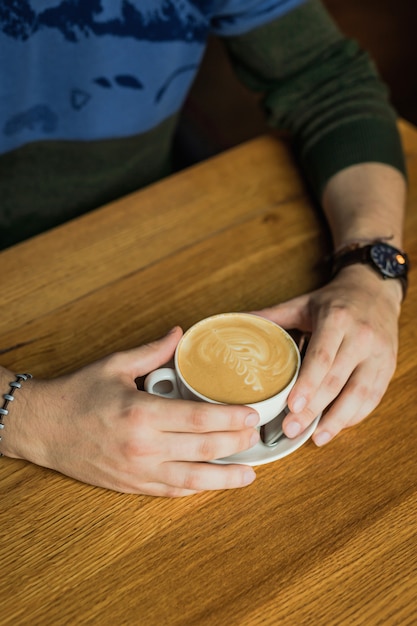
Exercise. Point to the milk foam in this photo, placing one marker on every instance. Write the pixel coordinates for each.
(237, 358)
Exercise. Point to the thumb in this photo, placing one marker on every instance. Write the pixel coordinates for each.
(142, 360)
(290, 314)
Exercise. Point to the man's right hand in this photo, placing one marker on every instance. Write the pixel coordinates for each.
(96, 426)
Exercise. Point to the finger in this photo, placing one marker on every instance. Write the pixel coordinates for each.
(207, 446)
(356, 402)
(140, 361)
(291, 314)
(206, 476)
(328, 389)
(164, 491)
(186, 416)
(324, 375)
(325, 347)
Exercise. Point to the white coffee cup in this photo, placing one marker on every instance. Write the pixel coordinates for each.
(170, 382)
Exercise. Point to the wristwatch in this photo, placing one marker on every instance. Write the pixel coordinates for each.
(387, 261)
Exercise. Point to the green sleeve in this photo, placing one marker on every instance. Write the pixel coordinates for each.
(323, 89)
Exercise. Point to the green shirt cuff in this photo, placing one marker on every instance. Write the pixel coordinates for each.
(360, 141)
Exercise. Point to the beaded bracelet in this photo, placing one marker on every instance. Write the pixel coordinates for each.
(9, 397)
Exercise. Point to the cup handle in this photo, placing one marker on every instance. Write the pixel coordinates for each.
(162, 382)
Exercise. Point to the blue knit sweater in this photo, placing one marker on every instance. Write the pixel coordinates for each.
(90, 94)
(100, 69)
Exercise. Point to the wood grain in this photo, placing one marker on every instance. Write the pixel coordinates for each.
(324, 536)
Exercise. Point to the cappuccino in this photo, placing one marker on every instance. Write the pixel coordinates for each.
(237, 358)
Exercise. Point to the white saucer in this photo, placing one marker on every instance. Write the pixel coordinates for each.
(261, 454)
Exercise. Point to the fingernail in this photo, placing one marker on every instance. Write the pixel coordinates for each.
(292, 429)
(252, 419)
(254, 439)
(321, 438)
(248, 477)
(298, 404)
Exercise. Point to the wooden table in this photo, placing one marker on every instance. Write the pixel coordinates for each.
(324, 536)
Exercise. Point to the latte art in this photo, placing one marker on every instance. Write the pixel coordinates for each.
(237, 358)
(250, 358)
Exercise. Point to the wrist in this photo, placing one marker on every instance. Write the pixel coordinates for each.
(386, 261)
(20, 435)
(361, 276)
(11, 396)
(349, 242)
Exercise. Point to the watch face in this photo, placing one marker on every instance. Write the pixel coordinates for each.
(390, 261)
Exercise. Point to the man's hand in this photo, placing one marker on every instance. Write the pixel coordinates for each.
(352, 352)
(95, 426)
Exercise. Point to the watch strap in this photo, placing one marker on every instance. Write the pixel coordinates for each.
(351, 254)
(358, 253)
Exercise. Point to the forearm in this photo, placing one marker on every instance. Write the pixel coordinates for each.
(365, 202)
